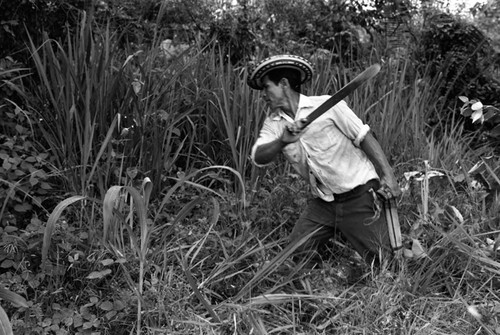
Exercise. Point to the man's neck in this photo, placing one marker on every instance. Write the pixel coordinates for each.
(292, 105)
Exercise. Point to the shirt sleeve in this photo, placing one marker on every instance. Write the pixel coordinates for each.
(270, 131)
(349, 123)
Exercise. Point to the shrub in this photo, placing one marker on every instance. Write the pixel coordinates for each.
(27, 174)
(462, 55)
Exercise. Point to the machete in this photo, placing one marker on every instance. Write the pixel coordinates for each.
(342, 93)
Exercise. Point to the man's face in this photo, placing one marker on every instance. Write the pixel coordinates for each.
(273, 94)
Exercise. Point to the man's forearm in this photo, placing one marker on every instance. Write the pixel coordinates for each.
(266, 153)
(376, 155)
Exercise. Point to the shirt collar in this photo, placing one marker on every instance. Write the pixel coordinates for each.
(304, 102)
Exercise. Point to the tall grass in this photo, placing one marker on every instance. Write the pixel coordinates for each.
(397, 104)
(128, 230)
(403, 108)
(241, 114)
(74, 100)
(103, 112)
(196, 266)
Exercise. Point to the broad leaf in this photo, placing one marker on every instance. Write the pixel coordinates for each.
(5, 327)
(495, 132)
(477, 116)
(51, 222)
(490, 112)
(99, 274)
(466, 111)
(417, 249)
(106, 306)
(14, 298)
(477, 106)
(455, 213)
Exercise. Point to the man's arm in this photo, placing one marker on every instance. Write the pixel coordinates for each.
(376, 155)
(265, 153)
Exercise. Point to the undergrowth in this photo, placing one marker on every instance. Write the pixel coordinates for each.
(129, 203)
(199, 260)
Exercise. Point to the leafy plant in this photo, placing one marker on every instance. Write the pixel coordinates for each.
(487, 116)
(181, 252)
(237, 115)
(11, 76)
(461, 53)
(122, 235)
(139, 203)
(5, 326)
(78, 84)
(26, 175)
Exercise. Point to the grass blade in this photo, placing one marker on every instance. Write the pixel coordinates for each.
(197, 292)
(272, 265)
(5, 326)
(108, 205)
(51, 222)
(13, 297)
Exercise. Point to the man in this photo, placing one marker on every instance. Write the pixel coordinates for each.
(336, 154)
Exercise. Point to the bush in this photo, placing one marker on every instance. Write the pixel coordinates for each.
(31, 17)
(27, 174)
(460, 54)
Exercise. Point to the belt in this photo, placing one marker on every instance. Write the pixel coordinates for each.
(357, 191)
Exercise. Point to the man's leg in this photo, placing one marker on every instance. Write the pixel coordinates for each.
(318, 215)
(364, 225)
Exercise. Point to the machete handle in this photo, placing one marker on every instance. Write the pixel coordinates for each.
(383, 193)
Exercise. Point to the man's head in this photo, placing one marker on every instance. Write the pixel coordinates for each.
(295, 69)
(292, 75)
(277, 90)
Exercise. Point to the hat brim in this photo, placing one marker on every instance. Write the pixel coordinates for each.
(279, 62)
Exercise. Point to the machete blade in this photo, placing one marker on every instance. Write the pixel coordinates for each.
(342, 93)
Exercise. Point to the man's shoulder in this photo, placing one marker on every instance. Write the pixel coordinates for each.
(315, 99)
(319, 99)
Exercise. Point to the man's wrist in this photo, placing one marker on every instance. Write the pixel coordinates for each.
(282, 143)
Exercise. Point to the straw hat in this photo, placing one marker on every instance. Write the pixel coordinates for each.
(279, 62)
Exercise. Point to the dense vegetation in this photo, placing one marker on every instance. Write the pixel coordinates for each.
(128, 203)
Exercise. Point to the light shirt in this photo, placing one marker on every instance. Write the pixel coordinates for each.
(328, 153)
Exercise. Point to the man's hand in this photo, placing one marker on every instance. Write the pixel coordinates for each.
(293, 131)
(389, 188)
(265, 153)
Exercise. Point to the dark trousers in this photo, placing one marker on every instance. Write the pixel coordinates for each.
(356, 214)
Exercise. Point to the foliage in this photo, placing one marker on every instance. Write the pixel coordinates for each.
(62, 311)
(27, 174)
(252, 29)
(29, 17)
(86, 267)
(486, 114)
(111, 108)
(324, 28)
(167, 227)
(461, 54)
(11, 74)
(485, 15)
(5, 326)
(236, 116)
(77, 90)
(235, 32)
